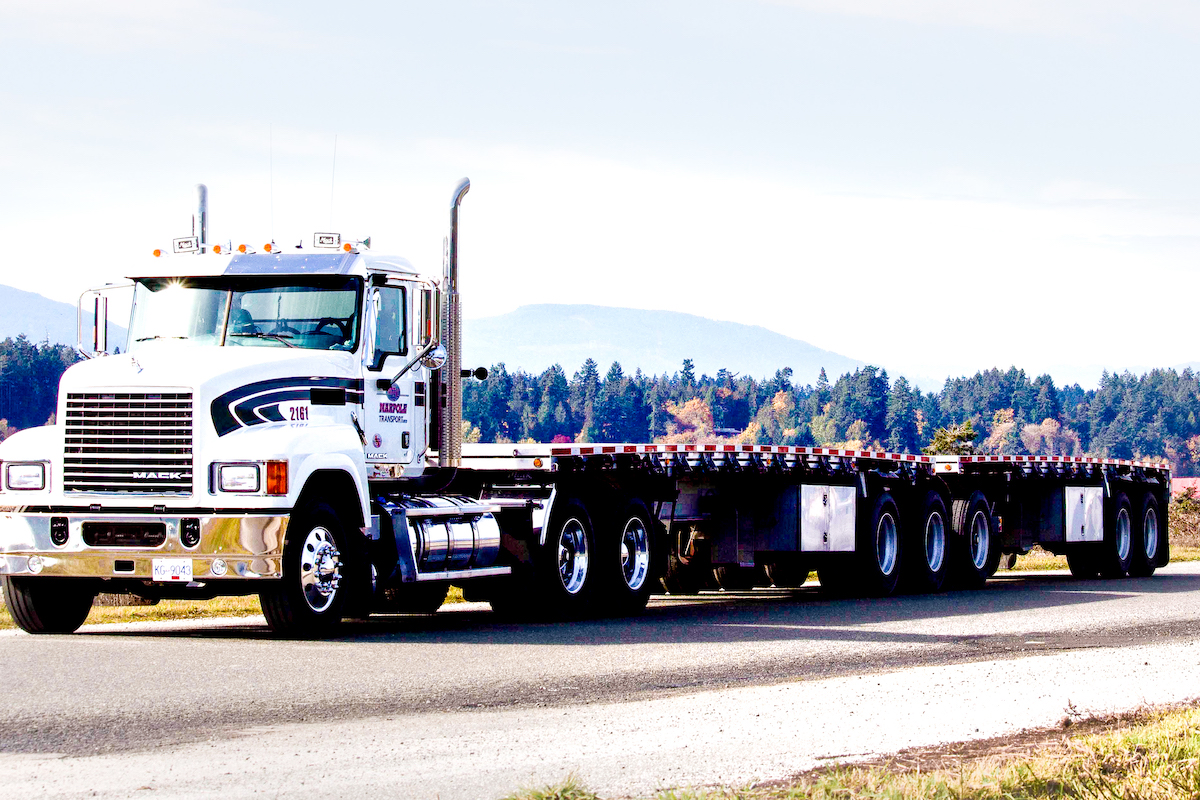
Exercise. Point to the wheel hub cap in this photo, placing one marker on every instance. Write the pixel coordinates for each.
(979, 540)
(935, 542)
(320, 569)
(1124, 534)
(635, 554)
(885, 544)
(1150, 534)
(573, 556)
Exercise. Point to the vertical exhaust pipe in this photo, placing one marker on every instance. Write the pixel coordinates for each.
(200, 220)
(450, 431)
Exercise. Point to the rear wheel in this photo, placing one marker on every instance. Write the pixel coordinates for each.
(926, 549)
(974, 551)
(1147, 538)
(879, 549)
(1116, 551)
(47, 605)
(310, 600)
(627, 560)
(562, 582)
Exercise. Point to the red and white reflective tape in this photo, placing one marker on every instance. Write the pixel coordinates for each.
(783, 450)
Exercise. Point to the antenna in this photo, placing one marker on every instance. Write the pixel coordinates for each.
(332, 179)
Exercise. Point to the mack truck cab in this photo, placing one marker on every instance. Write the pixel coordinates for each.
(253, 436)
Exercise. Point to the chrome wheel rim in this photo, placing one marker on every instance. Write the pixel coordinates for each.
(885, 544)
(635, 553)
(980, 540)
(935, 541)
(572, 556)
(1124, 534)
(1150, 534)
(320, 569)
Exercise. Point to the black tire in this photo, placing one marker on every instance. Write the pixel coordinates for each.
(47, 605)
(787, 574)
(974, 548)
(414, 598)
(1081, 560)
(318, 572)
(1116, 551)
(627, 564)
(927, 546)
(879, 548)
(1149, 535)
(564, 575)
(735, 578)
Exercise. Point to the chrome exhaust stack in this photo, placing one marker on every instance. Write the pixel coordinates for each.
(450, 431)
(200, 220)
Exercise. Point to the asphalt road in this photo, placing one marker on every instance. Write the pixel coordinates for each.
(723, 688)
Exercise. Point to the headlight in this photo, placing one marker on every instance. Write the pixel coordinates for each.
(25, 476)
(238, 478)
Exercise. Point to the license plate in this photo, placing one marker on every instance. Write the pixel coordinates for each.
(170, 570)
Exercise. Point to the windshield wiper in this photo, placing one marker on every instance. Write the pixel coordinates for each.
(279, 337)
(148, 338)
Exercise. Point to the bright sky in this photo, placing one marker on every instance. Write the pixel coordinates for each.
(936, 186)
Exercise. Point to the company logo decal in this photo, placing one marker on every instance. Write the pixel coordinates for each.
(393, 393)
(256, 403)
(161, 476)
(377, 441)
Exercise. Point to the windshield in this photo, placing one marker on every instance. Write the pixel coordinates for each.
(313, 313)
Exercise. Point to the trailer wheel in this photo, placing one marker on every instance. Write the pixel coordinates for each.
(879, 549)
(975, 550)
(1147, 538)
(47, 605)
(927, 548)
(1116, 552)
(627, 560)
(310, 600)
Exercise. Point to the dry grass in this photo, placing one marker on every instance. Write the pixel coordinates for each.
(1151, 756)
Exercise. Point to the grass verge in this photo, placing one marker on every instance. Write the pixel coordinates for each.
(1151, 755)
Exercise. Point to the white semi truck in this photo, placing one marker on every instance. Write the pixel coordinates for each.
(288, 424)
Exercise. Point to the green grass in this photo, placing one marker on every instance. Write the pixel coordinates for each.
(1153, 756)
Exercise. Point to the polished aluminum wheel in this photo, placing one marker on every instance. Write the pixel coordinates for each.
(320, 569)
(935, 541)
(1124, 534)
(886, 543)
(1150, 534)
(573, 556)
(635, 553)
(980, 540)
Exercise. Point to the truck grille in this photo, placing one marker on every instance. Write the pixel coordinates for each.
(128, 442)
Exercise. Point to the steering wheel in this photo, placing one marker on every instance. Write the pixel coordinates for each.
(283, 327)
(325, 322)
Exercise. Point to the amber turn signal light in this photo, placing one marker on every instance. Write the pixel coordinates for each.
(277, 477)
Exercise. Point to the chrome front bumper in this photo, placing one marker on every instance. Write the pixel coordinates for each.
(245, 545)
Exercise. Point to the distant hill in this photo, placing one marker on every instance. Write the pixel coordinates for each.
(534, 337)
(43, 319)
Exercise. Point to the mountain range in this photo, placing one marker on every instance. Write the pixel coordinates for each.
(536, 336)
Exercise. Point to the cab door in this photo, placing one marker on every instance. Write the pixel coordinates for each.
(389, 408)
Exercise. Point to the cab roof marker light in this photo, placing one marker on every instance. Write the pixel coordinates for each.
(332, 241)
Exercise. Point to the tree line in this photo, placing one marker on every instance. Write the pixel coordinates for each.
(1155, 416)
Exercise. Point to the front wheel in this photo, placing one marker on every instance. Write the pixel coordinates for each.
(310, 600)
(47, 605)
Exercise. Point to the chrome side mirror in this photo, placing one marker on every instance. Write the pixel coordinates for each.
(435, 358)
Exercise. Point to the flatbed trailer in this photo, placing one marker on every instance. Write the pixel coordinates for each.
(289, 424)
